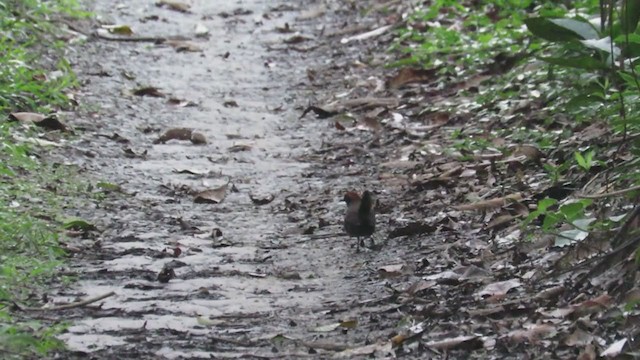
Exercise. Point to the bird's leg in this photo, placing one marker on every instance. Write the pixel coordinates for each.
(373, 243)
(358, 244)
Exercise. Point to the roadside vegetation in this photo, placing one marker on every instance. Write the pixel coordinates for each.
(553, 85)
(34, 78)
(522, 118)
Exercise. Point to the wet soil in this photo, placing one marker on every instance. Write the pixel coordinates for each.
(272, 272)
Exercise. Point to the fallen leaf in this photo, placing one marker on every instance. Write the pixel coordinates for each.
(174, 5)
(183, 46)
(499, 288)
(211, 196)
(411, 75)
(79, 225)
(615, 349)
(391, 271)
(296, 39)
(148, 91)
(201, 31)
(239, 148)
(26, 117)
(119, 29)
(346, 324)
(175, 134)
(533, 333)
(579, 338)
(50, 122)
(262, 200)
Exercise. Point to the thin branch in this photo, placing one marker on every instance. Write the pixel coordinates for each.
(70, 305)
(608, 194)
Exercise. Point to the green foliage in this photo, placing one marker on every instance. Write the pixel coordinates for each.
(571, 71)
(27, 81)
(29, 249)
(31, 191)
(585, 160)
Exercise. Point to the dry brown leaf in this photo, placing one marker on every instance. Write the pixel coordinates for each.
(411, 75)
(579, 338)
(174, 5)
(211, 196)
(370, 123)
(419, 286)
(119, 29)
(589, 353)
(500, 220)
(296, 39)
(183, 46)
(594, 305)
(26, 117)
(262, 200)
(175, 134)
(499, 288)
(239, 148)
(533, 333)
(391, 271)
(148, 91)
(50, 122)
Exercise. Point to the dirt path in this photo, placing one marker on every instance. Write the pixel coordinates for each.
(264, 277)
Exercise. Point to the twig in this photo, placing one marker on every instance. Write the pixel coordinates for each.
(70, 305)
(130, 39)
(608, 194)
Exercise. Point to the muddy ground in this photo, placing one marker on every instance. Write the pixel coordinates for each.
(261, 278)
(258, 266)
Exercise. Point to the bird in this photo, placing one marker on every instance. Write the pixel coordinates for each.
(360, 218)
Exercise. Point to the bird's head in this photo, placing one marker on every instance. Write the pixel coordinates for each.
(351, 197)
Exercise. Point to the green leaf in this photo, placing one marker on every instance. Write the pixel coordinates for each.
(580, 62)
(583, 100)
(572, 210)
(108, 186)
(632, 39)
(79, 224)
(550, 220)
(628, 78)
(559, 30)
(544, 204)
(580, 159)
(630, 15)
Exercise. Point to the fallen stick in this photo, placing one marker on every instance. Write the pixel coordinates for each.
(608, 194)
(70, 305)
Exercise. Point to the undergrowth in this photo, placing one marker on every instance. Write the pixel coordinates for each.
(34, 77)
(557, 77)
